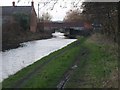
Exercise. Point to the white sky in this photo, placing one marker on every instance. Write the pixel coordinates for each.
(57, 13)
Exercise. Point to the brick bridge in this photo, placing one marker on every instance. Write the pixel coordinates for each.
(63, 25)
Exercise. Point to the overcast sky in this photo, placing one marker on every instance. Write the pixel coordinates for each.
(60, 9)
(57, 13)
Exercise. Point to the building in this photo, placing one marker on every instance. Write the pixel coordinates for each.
(8, 13)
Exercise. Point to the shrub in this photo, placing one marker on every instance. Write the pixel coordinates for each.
(23, 20)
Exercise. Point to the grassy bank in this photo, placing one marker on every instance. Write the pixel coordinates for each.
(97, 67)
(100, 68)
(47, 71)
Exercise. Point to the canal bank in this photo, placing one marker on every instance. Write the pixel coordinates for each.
(13, 40)
(15, 59)
(84, 63)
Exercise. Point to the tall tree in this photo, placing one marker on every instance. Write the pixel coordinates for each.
(105, 13)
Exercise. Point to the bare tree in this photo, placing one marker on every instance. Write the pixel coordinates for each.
(46, 17)
(74, 15)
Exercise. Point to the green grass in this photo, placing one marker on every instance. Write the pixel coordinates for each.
(50, 73)
(95, 68)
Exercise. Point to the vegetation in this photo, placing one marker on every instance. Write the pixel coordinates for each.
(46, 17)
(97, 68)
(14, 36)
(18, 31)
(105, 13)
(74, 15)
(49, 74)
(23, 20)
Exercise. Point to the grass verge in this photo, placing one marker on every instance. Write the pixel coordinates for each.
(96, 69)
(99, 69)
(50, 73)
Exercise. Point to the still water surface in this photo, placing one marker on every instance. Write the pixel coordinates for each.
(15, 59)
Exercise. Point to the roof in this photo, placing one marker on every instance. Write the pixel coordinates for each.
(9, 10)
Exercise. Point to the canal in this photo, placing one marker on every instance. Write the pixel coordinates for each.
(15, 59)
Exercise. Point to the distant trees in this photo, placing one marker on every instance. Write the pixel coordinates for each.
(46, 17)
(74, 15)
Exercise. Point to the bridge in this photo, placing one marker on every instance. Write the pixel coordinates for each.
(69, 28)
(63, 25)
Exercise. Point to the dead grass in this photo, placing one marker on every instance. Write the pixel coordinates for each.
(99, 69)
(112, 48)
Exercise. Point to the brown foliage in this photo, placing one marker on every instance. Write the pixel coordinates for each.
(74, 15)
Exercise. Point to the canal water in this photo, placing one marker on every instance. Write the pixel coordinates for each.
(15, 59)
